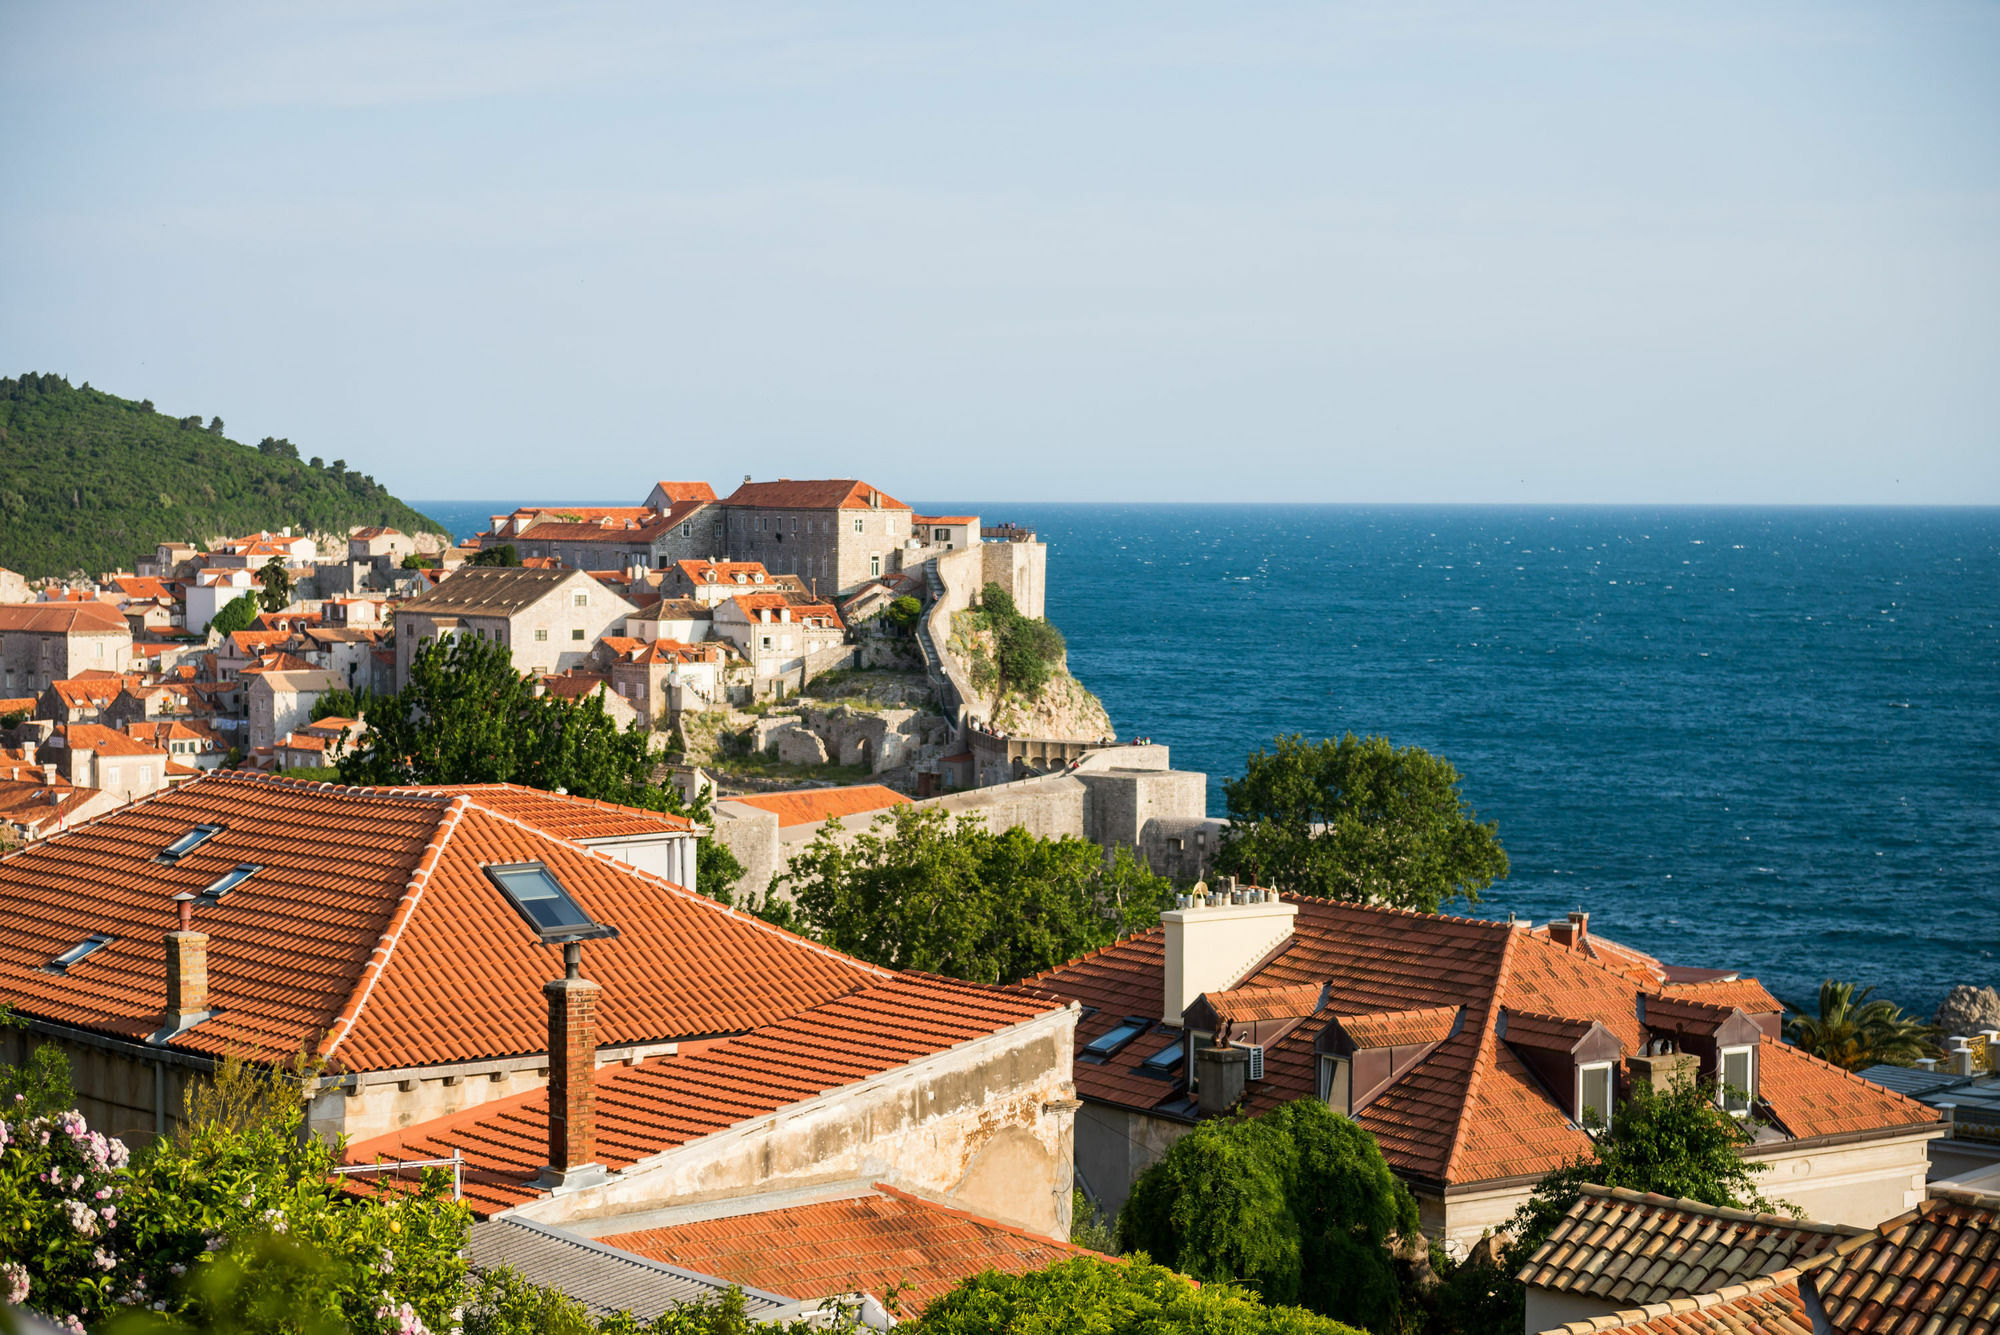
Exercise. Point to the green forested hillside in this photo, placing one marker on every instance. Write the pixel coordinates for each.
(92, 482)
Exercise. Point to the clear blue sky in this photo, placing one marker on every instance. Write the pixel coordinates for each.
(1535, 252)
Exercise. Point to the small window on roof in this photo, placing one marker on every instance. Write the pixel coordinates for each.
(1117, 1036)
(1166, 1059)
(229, 880)
(188, 842)
(82, 950)
(540, 898)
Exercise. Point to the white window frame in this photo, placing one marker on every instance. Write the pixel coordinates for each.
(857, 526)
(1749, 1053)
(1583, 1074)
(875, 567)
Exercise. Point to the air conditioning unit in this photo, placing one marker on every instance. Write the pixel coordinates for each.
(1256, 1051)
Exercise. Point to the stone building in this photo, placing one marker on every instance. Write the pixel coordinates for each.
(679, 521)
(785, 644)
(547, 619)
(122, 767)
(279, 702)
(42, 643)
(834, 534)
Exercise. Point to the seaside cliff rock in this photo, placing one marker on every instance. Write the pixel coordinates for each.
(1968, 1010)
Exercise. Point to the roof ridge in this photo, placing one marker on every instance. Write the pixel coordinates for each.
(385, 944)
(1730, 1212)
(1393, 910)
(1093, 954)
(1699, 1302)
(1484, 1055)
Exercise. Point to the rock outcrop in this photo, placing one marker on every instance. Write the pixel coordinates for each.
(1968, 1010)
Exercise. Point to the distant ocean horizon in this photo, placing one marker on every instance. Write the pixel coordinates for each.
(1745, 737)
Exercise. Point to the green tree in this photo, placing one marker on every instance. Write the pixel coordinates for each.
(1358, 819)
(904, 612)
(1298, 1205)
(277, 593)
(921, 889)
(1108, 1298)
(502, 555)
(413, 562)
(238, 615)
(1027, 651)
(1853, 1032)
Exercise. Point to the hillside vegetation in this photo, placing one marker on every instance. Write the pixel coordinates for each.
(1019, 665)
(91, 482)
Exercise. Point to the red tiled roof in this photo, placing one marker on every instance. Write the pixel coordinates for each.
(19, 704)
(944, 519)
(722, 572)
(1744, 994)
(575, 684)
(817, 804)
(578, 819)
(1393, 1029)
(826, 494)
(1810, 1097)
(92, 689)
(143, 586)
(658, 1105)
(1243, 1005)
(61, 618)
(883, 1242)
(686, 491)
(102, 740)
(374, 925)
(26, 802)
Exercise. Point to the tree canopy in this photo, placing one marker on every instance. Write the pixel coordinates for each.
(1298, 1205)
(921, 889)
(91, 482)
(277, 585)
(1108, 1298)
(1852, 1032)
(1028, 650)
(1358, 819)
(240, 614)
(466, 716)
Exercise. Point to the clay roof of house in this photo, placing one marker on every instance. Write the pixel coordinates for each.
(810, 805)
(1242, 1005)
(579, 819)
(143, 586)
(373, 933)
(674, 609)
(1471, 1111)
(881, 1242)
(18, 704)
(604, 1279)
(607, 526)
(674, 651)
(1934, 1270)
(248, 643)
(61, 618)
(92, 690)
(26, 802)
(575, 684)
(722, 572)
(291, 679)
(686, 491)
(825, 494)
(1744, 994)
(1394, 1029)
(376, 531)
(301, 741)
(157, 733)
(662, 1103)
(102, 740)
(488, 591)
(1630, 1248)
(944, 519)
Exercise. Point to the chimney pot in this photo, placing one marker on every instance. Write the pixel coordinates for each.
(1210, 951)
(572, 1094)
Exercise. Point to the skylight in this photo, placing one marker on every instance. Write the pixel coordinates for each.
(1166, 1059)
(540, 898)
(189, 842)
(1116, 1037)
(229, 880)
(79, 952)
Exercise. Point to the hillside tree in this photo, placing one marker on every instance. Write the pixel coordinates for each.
(277, 580)
(1358, 819)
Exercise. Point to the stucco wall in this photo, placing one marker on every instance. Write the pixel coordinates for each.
(1021, 568)
(1114, 1146)
(1860, 1184)
(752, 835)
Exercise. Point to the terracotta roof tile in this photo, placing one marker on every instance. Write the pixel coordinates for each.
(810, 805)
(1241, 1005)
(563, 815)
(828, 494)
(878, 1243)
(61, 618)
(1389, 1029)
(1744, 994)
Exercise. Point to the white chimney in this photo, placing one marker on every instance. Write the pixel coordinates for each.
(1213, 942)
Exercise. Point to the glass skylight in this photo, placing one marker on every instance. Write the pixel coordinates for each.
(1116, 1037)
(1166, 1059)
(190, 841)
(540, 898)
(82, 950)
(229, 880)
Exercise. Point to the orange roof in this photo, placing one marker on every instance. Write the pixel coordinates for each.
(18, 704)
(91, 690)
(61, 618)
(828, 494)
(944, 519)
(1471, 1111)
(722, 572)
(102, 740)
(1391, 1029)
(143, 586)
(650, 1108)
(686, 491)
(248, 642)
(810, 805)
(887, 1240)
(27, 803)
(575, 684)
(1744, 994)
(580, 819)
(374, 926)
(1241, 1005)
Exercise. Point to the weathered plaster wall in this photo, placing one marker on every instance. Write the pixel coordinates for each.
(1114, 1146)
(1860, 1184)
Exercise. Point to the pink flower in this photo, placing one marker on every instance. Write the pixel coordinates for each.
(15, 1277)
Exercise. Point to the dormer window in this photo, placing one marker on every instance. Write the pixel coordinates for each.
(1336, 1082)
(229, 880)
(1594, 1095)
(1739, 1080)
(1107, 1043)
(79, 952)
(540, 898)
(188, 842)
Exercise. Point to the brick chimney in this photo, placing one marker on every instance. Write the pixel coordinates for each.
(1571, 933)
(187, 970)
(1215, 937)
(572, 1064)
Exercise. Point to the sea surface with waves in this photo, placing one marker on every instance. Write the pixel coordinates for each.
(1756, 738)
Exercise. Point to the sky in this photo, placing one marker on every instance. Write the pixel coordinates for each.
(1594, 252)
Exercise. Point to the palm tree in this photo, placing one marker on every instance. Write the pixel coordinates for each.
(1852, 1032)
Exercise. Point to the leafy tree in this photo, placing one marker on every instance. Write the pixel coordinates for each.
(924, 890)
(1108, 1298)
(413, 562)
(215, 426)
(343, 703)
(1358, 819)
(1852, 1031)
(238, 615)
(502, 555)
(279, 446)
(904, 612)
(277, 585)
(1027, 650)
(1298, 1205)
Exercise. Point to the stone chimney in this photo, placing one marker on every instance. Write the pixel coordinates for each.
(572, 1065)
(187, 970)
(1215, 937)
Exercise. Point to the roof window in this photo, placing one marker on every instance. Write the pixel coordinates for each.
(540, 898)
(229, 880)
(1165, 1060)
(79, 952)
(1116, 1037)
(189, 842)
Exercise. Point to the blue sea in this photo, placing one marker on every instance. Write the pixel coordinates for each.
(1757, 738)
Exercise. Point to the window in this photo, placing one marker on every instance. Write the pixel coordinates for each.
(229, 880)
(188, 842)
(1197, 1039)
(576, 634)
(767, 642)
(1163, 1061)
(1117, 1036)
(539, 898)
(795, 526)
(579, 600)
(77, 953)
(857, 526)
(1335, 1085)
(874, 565)
(1739, 1080)
(1593, 1095)
(111, 777)
(542, 635)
